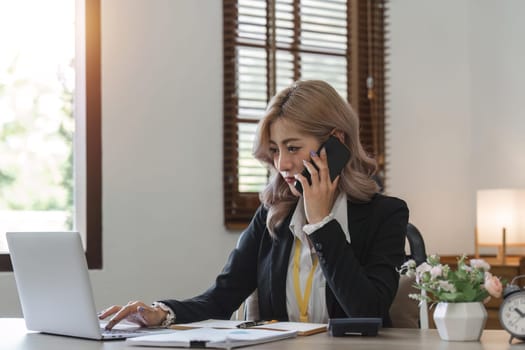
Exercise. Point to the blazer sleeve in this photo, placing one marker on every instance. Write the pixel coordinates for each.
(362, 274)
(232, 286)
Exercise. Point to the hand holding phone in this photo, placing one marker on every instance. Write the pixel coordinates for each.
(337, 155)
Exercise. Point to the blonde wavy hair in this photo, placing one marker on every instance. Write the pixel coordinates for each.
(316, 109)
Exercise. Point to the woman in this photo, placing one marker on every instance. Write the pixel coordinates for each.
(329, 252)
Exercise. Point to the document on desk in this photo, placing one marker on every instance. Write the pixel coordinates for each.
(211, 323)
(302, 328)
(211, 338)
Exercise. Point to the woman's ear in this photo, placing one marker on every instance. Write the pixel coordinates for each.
(339, 134)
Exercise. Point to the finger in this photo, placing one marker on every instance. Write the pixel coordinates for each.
(119, 316)
(303, 181)
(295, 192)
(123, 313)
(314, 175)
(321, 161)
(335, 182)
(109, 311)
(136, 317)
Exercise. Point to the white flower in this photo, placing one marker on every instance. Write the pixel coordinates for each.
(421, 270)
(414, 296)
(466, 268)
(436, 271)
(447, 286)
(433, 259)
(424, 267)
(479, 264)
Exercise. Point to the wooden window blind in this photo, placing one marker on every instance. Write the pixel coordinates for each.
(268, 44)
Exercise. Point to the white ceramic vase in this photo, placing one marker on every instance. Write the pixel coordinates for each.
(460, 321)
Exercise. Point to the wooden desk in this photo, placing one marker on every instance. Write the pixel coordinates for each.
(13, 336)
(513, 266)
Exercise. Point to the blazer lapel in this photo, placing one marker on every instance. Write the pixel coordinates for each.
(280, 258)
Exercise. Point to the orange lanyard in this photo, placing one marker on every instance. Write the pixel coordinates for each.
(302, 301)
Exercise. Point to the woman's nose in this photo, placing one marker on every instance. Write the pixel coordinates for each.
(283, 162)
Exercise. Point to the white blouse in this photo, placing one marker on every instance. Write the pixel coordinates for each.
(317, 311)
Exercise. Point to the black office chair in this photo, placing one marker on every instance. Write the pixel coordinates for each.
(405, 312)
(417, 245)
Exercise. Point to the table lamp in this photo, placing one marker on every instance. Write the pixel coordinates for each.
(500, 221)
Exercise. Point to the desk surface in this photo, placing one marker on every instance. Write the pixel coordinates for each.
(14, 336)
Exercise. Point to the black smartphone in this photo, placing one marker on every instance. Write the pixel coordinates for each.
(337, 155)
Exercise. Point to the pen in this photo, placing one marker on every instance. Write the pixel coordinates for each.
(249, 324)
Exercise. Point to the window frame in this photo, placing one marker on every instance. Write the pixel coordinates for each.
(93, 147)
(366, 57)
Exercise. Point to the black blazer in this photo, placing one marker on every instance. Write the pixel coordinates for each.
(361, 276)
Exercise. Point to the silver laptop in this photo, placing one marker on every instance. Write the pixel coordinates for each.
(54, 288)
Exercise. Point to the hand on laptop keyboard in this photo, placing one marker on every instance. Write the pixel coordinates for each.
(136, 312)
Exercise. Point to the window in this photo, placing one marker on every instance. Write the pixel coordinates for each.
(268, 44)
(50, 140)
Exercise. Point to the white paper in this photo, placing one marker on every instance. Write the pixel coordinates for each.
(212, 337)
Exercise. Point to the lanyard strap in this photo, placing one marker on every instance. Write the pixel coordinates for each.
(302, 301)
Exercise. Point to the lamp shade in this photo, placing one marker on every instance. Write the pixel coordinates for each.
(498, 209)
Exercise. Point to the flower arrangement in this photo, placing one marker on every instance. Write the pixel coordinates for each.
(468, 283)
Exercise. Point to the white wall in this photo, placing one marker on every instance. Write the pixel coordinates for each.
(163, 229)
(429, 118)
(162, 149)
(498, 89)
(456, 69)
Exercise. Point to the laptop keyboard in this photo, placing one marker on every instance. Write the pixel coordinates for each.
(119, 331)
(126, 333)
